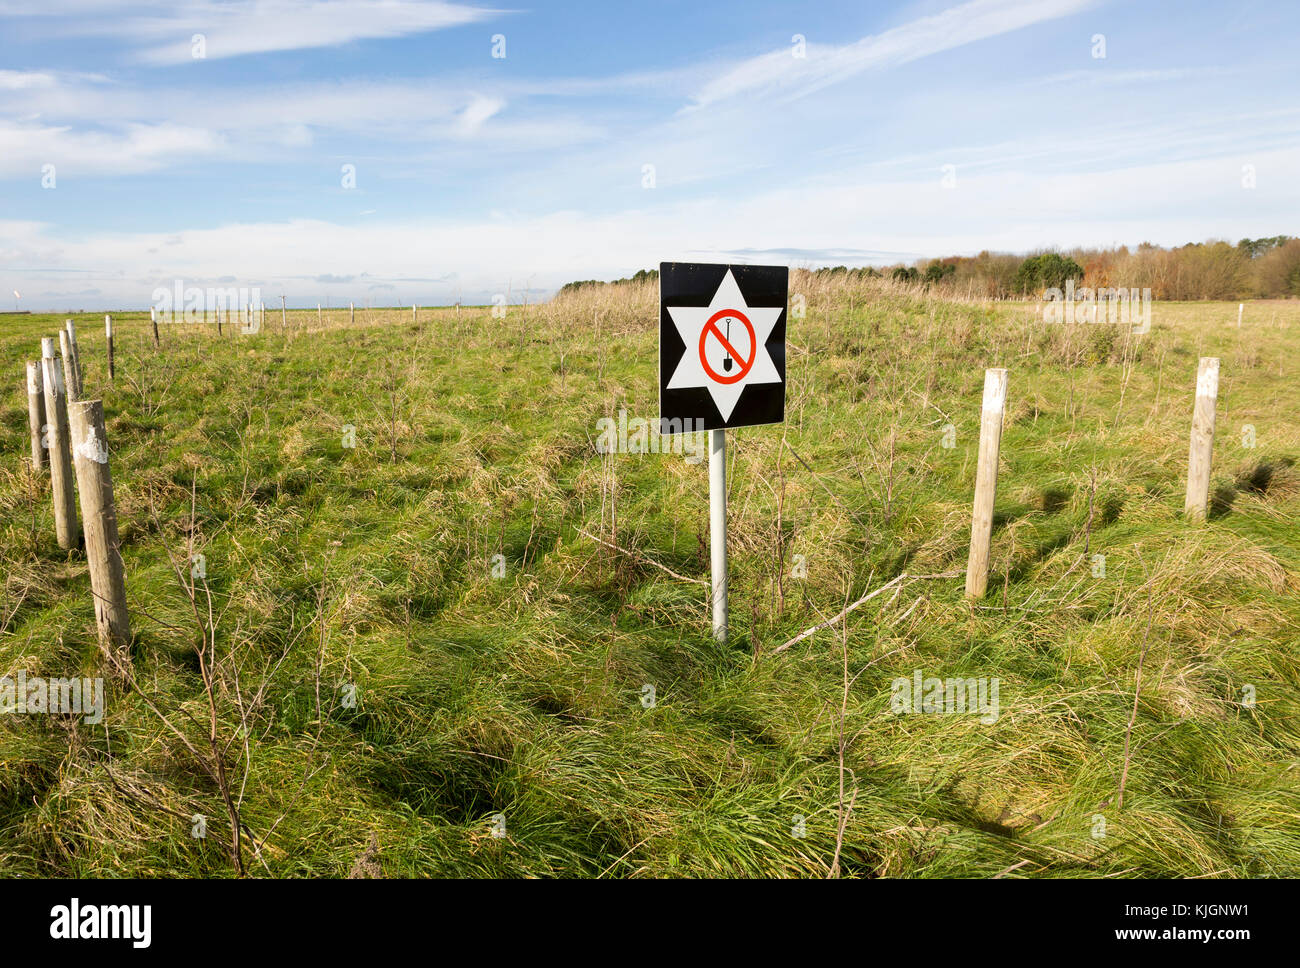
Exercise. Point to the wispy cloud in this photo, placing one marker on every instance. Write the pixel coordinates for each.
(1120, 78)
(26, 146)
(45, 80)
(25, 80)
(162, 32)
(478, 111)
(823, 65)
(314, 259)
(90, 125)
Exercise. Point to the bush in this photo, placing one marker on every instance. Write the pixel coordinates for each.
(1278, 271)
(1050, 270)
(937, 271)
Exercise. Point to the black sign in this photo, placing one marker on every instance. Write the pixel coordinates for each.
(721, 345)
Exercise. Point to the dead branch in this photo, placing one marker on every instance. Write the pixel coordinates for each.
(894, 583)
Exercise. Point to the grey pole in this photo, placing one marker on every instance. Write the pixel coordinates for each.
(718, 529)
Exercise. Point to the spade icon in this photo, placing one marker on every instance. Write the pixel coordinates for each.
(726, 360)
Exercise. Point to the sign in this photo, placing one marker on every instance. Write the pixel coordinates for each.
(721, 345)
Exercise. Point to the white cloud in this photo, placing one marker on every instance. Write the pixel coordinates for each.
(58, 118)
(1105, 77)
(1008, 210)
(161, 32)
(477, 111)
(824, 64)
(26, 146)
(25, 80)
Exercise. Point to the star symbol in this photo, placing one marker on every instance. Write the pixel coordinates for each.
(726, 345)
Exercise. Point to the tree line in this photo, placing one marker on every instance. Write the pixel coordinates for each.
(1264, 268)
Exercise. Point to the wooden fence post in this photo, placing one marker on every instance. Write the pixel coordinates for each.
(56, 416)
(986, 481)
(69, 365)
(1201, 450)
(153, 318)
(71, 327)
(36, 412)
(352, 313)
(319, 324)
(108, 334)
(99, 521)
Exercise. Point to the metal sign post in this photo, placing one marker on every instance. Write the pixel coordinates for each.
(718, 530)
(721, 365)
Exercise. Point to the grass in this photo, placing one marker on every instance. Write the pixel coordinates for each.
(339, 573)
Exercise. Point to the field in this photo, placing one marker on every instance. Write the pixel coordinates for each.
(381, 701)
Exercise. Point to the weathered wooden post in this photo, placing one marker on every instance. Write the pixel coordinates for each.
(352, 313)
(1201, 450)
(413, 317)
(108, 335)
(36, 412)
(986, 481)
(99, 521)
(56, 416)
(284, 316)
(153, 318)
(319, 323)
(72, 339)
(69, 365)
(71, 327)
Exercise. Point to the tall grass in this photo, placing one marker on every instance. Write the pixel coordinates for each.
(340, 574)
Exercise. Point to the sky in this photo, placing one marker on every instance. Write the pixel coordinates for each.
(391, 152)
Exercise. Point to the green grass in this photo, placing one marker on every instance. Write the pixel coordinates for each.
(521, 696)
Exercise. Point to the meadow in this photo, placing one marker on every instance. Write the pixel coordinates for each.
(356, 687)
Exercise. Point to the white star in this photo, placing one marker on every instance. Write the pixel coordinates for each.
(729, 377)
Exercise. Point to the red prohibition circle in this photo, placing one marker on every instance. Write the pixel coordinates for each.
(712, 327)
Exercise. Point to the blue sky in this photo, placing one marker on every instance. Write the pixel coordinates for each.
(478, 174)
